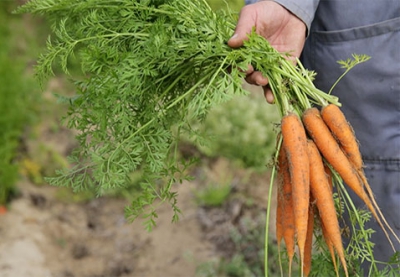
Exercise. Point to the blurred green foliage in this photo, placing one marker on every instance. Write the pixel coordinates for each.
(212, 194)
(234, 5)
(16, 99)
(242, 129)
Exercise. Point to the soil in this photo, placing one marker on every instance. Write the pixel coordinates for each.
(43, 236)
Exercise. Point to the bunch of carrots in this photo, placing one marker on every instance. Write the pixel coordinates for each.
(314, 145)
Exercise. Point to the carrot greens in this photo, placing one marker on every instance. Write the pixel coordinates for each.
(150, 67)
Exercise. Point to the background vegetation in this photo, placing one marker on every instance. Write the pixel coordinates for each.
(18, 95)
(235, 5)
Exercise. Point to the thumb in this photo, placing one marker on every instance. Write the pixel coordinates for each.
(236, 40)
(243, 28)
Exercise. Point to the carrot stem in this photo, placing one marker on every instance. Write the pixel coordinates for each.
(270, 192)
(350, 206)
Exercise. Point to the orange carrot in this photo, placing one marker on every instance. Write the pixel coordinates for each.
(287, 213)
(330, 247)
(330, 149)
(328, 242)
(343, 132)
(322, 193)
(309, 239)
(329, 175)
(282, 172)
(279, 223)
(295, 146)
(279, 214)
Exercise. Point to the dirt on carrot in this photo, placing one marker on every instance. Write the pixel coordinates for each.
(343, 132)
(322, 193)
(309, 240)
(287, 214)
(331, 151)
(295, 146)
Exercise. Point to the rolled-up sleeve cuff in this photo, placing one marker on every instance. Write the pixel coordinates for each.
(304, 9)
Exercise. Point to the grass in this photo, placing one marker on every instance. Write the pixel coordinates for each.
(212, 195)
(241, 130)
(235, 5)
(18, 97)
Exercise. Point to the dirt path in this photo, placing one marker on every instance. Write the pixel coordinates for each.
(41, 237)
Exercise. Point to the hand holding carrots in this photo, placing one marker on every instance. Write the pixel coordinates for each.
(281, 28)
(313, 140)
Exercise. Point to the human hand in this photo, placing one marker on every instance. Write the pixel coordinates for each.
(284, 31)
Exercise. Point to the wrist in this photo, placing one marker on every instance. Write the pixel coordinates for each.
(303, 10)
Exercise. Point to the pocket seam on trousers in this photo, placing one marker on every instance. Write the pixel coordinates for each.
(357, 33)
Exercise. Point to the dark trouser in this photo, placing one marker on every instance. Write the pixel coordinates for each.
(370, 94)
(384, 179)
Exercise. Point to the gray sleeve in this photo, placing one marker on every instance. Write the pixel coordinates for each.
(304, 9)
